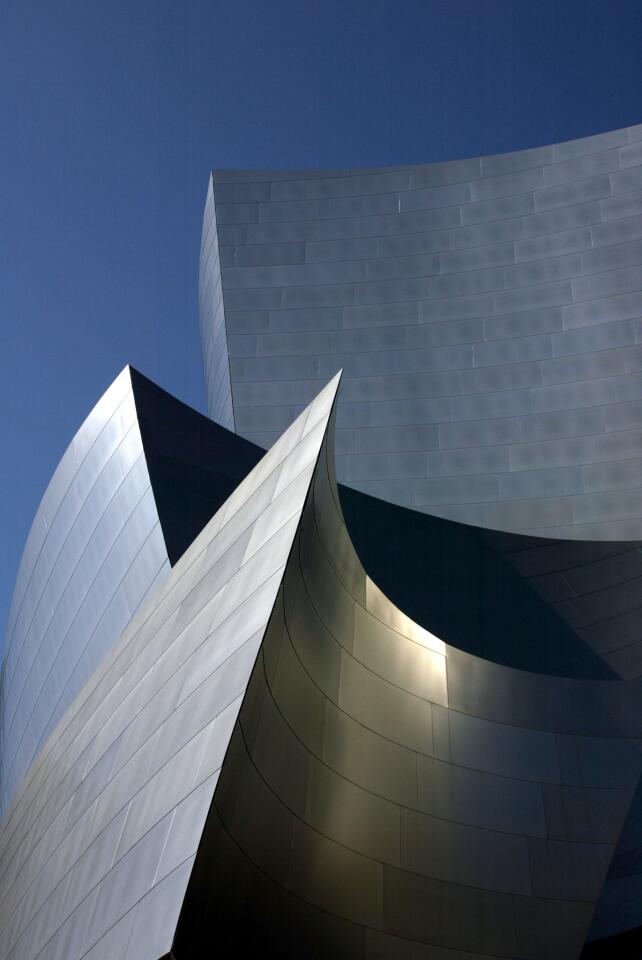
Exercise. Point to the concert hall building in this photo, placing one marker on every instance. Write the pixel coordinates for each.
(351, 668)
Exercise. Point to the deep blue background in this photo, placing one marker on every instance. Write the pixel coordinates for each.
(112, 112)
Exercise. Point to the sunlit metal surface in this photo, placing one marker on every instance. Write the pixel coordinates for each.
(212, 321)
(97, 847)
(94, 552)
(291, 746)
(387, 795)
(138, 482)
(487, 315)
(377, 791)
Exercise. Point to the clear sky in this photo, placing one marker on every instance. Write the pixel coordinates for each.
(113, 111)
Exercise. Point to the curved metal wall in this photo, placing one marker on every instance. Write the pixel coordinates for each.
(487, 314)
(483, 588)
(380, 793)
(97, 847)
(387, 795)
(94, 551)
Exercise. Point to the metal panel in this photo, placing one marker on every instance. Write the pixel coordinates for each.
(527, 244)
(103, 831)
(381, 780)
(93, 551)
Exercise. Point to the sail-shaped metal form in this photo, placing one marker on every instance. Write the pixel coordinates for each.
(139, 480)
(97, 847)
(94, 551)
(274, 756)
(486, 313)
(386, 794)
(246, 708)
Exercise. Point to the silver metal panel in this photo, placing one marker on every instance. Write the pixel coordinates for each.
(538, 273)
(368, 780)
(97, 847)
(381, 780)
(212, 318)
(376, 791)
(536, 427)
(94, 550)
(540, 249)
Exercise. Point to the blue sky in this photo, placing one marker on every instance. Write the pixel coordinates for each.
(113, 112)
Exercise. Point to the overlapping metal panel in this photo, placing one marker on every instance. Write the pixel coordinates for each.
(376, 790)
(97, 847)
(138, 482)
(388, 795)
(94, 552)
(379, 790)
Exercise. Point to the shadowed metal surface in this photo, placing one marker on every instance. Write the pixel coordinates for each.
(450, 790)
(97, 846)
(194, 464)
(486, 312)
(381, 793)
(481, 589)
(387, 795)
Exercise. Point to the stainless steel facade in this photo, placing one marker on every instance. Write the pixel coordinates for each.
(97, 846)
(245, 708)
(273, 743)
(388, 795)
(94, 551)
(138, 482)
(486, 313)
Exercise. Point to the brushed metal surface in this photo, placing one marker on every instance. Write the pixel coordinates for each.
(94, 552)
(97, 846)
(486, 313)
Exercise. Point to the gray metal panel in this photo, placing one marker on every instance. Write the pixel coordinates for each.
(519, 272)
(380, 779)
(96, 848)
(212, 320)
(94, 550)
(538, 255)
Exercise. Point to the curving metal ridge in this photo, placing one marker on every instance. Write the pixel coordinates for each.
(97, 846)
(343, 725)
(388, 795)
(94, 551)
(486, 313)
(138, 482)
(376, 791)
